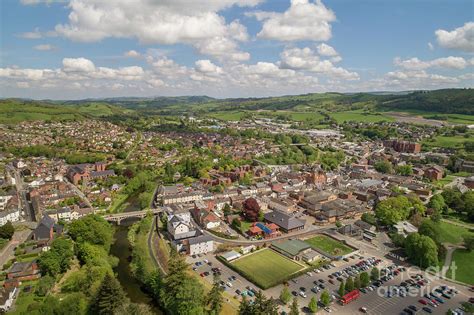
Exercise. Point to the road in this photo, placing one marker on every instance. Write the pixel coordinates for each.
(7, 252)
(22, 194)
(79, 193)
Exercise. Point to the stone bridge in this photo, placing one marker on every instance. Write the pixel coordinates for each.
(118, 217)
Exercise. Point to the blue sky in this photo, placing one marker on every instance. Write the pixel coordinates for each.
(232, 48)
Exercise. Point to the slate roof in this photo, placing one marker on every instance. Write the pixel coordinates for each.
(284, 220)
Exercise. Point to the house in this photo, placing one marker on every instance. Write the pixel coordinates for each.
(45, 230)
(313, 201)
(247, 249)
(469, 182)
(7, 295)
(21, 271)
(286, 222)
(403, 146)
(84, 172)
(199, 245)
(264, 230)
(9, 209)
(434, 172)
(206, 218)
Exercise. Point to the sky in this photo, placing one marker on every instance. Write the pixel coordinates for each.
(60, 49)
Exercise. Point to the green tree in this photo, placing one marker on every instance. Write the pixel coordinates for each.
(285, 295)
(313, 305)
(342, 289)
(58, 259)
(214, 298)
(374, 274)
(325, 298)
(364, 279)
(44, 285)
(469, 242)
(404, 170)
(437, 203)
(393, 209)
(369, 218)
(383, 167)
(357, 283)
(7, 230)
(181, 293)
(421, 250)
(349, 284)
(431, 229)
(110, 297)
(294, 308)
(93, 229)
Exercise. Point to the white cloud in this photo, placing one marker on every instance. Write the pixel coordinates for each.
(44, 47)
(445, 62)
(326, 50)
(206, 66)
(36, 34)
(306, 59)
(78, 65)
(430, 46)
(195, 23)
(303, 20)
(132, 54)
(461, 38)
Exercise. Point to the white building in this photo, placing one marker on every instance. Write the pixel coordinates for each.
(200, 245)
(6, 299)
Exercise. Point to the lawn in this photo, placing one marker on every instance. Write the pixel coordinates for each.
(450, 142)
(359, 116)
(444, 181)
(266, 268)
(463, 262)
(329, 245)
(453, 234)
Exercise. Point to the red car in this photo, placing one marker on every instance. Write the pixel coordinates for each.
(202, 274)
(423, 302)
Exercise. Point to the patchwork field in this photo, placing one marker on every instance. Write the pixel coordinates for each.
(329, 245)
(266, 268)
(451, 142)
(359, 116)
(463, 262)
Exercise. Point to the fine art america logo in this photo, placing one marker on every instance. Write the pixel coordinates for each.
(417, 282)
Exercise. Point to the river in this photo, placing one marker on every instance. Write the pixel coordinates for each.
(121, 249)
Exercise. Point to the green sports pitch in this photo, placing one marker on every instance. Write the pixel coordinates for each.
(266, 268)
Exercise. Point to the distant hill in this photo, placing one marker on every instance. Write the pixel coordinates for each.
(459, 101)
(446, 101)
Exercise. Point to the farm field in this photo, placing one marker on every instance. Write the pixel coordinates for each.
(453, 142)
(266, 268)
(329, 245)
(360, 116)
(463, 262)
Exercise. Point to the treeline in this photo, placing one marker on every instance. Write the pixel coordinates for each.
(88, 288)
(52, 152)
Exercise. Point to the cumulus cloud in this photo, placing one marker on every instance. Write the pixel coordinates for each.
(44, 47)
(304, 20)
(163, 22)
(446, 62)
(132, 54)
(78, 65)
(326, 50)
(306, 59)
(461, 38)
(36, 34)
(206, 66)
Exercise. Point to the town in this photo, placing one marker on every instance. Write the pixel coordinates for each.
(258, 210)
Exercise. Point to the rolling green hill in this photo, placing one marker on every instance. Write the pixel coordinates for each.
(17, 110)
(453, 105)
